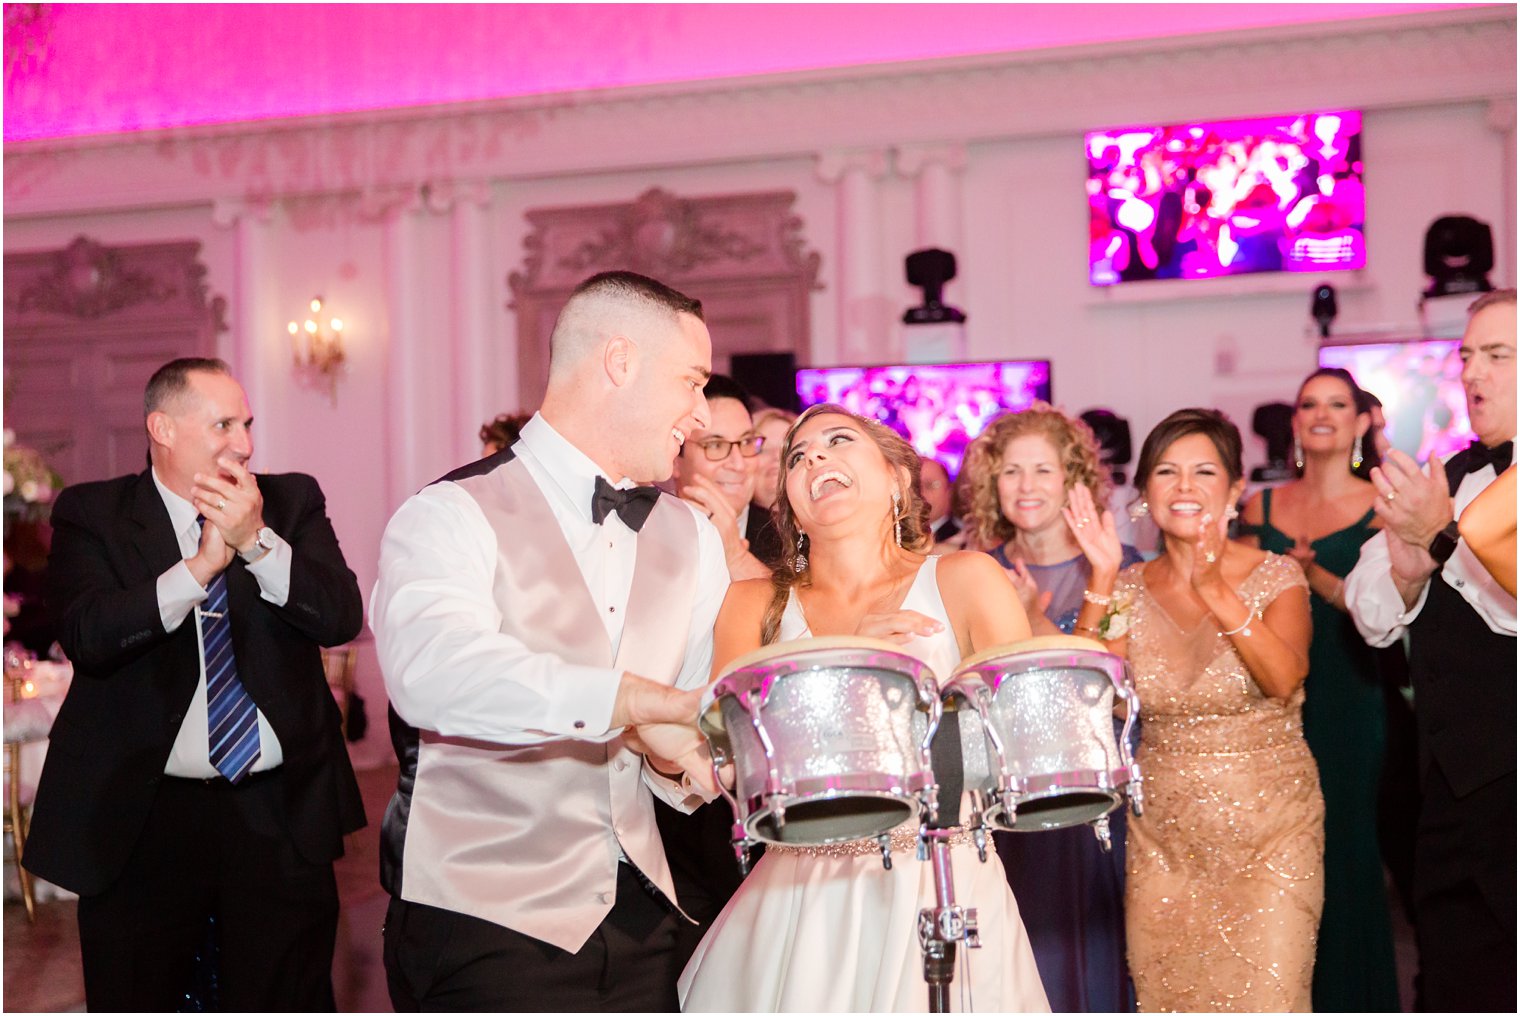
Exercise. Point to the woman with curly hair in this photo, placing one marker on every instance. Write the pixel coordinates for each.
(1034, 480)
(830, 928)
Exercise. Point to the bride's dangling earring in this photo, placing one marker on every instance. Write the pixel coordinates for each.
(800, 562)
(897, 516)
(1298, 452)
(1356, 454)
(1139, 511)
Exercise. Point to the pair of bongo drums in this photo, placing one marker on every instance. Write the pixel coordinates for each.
(832, 739)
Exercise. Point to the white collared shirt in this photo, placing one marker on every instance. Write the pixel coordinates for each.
(448, 666)
(1374, 600)
(178, 595)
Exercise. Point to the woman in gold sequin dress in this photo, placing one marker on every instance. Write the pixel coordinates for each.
(829, 929)
(1226, 866)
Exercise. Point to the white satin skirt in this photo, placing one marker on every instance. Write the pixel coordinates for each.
(821, 932)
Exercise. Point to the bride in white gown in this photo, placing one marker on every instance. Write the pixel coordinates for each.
(829, 928)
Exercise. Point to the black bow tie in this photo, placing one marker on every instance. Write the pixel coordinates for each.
(1480, 455)
(633, 505)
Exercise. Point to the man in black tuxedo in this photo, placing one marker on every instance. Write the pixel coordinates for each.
(187, 584)
(937, 488)
(1419, 576)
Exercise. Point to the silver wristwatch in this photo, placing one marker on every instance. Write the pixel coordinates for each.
(263, 543)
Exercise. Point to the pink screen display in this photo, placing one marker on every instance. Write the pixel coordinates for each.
(1420, 385)
(938, 407)
(1200, 200)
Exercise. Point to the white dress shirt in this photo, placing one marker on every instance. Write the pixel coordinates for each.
(448, 666)
(1374, 600)
(178, 595)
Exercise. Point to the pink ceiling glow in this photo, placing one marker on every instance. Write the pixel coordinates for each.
(102, 68)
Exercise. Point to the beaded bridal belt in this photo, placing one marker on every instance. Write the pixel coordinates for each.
(902, 840)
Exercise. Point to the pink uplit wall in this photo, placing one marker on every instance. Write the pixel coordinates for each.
(104, 68)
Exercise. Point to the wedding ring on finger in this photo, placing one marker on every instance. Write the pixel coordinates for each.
(221, 504)
(1390, 496)
(1211, 557)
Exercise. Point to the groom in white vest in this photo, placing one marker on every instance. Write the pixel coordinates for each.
(544, 627)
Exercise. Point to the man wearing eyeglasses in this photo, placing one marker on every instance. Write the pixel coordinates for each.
(716, 469)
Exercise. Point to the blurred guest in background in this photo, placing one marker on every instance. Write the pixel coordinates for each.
(1418, 576)
(1034, 486)
(938, 487)
(716, 470)
(1321, 521)
(501, 432)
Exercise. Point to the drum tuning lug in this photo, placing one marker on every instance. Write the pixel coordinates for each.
(1100, 830)
(979, 837)
(886, 850)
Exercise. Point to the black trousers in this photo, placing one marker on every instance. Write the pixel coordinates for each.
(441, 961)
(212, 849)
(1464, 889)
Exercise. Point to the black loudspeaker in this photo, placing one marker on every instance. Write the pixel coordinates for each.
(1459, 254)
(770, 377)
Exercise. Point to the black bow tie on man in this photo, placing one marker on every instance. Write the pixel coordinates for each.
(1480, 455)
(633, 504)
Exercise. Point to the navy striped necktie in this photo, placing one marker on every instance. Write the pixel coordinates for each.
(231, 719)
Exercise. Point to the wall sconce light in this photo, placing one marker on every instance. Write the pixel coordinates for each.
(317, 348)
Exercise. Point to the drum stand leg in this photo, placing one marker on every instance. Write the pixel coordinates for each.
(940, 927)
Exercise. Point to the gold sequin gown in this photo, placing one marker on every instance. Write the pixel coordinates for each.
(1226, 866)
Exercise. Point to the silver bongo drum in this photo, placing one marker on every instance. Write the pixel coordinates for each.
(829, 738)
(1046, 729)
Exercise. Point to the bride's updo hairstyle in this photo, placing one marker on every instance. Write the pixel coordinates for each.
(794, 568)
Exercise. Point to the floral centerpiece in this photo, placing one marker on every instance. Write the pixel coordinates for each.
(30, 483)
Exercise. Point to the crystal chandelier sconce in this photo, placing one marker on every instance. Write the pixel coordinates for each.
(317, 349)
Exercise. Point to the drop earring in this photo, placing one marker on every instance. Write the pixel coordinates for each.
(800, 562)
(897, 517)
(1139, 511)
(1298, 452)
(1356, 453)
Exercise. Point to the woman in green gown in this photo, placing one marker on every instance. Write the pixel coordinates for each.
(1321, 521)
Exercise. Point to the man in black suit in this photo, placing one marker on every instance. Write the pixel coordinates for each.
(937, 488)
(187, 584)
(1418, 577)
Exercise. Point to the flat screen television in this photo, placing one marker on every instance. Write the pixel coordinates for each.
(938, 407)
(1226, 197)
(1420, 385)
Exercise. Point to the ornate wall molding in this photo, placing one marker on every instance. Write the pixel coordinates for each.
(742, 255)
(1417, 59)
(682, 240)
(88, 281)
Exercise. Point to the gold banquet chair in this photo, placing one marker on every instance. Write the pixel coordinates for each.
(26, 721)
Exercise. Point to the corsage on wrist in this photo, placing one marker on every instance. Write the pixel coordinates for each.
(1115, 623)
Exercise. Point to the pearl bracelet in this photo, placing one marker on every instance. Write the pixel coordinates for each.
(1096, 598)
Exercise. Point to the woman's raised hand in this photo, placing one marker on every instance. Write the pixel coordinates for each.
(1208, 553)
(1094, 531)
(900, 626)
